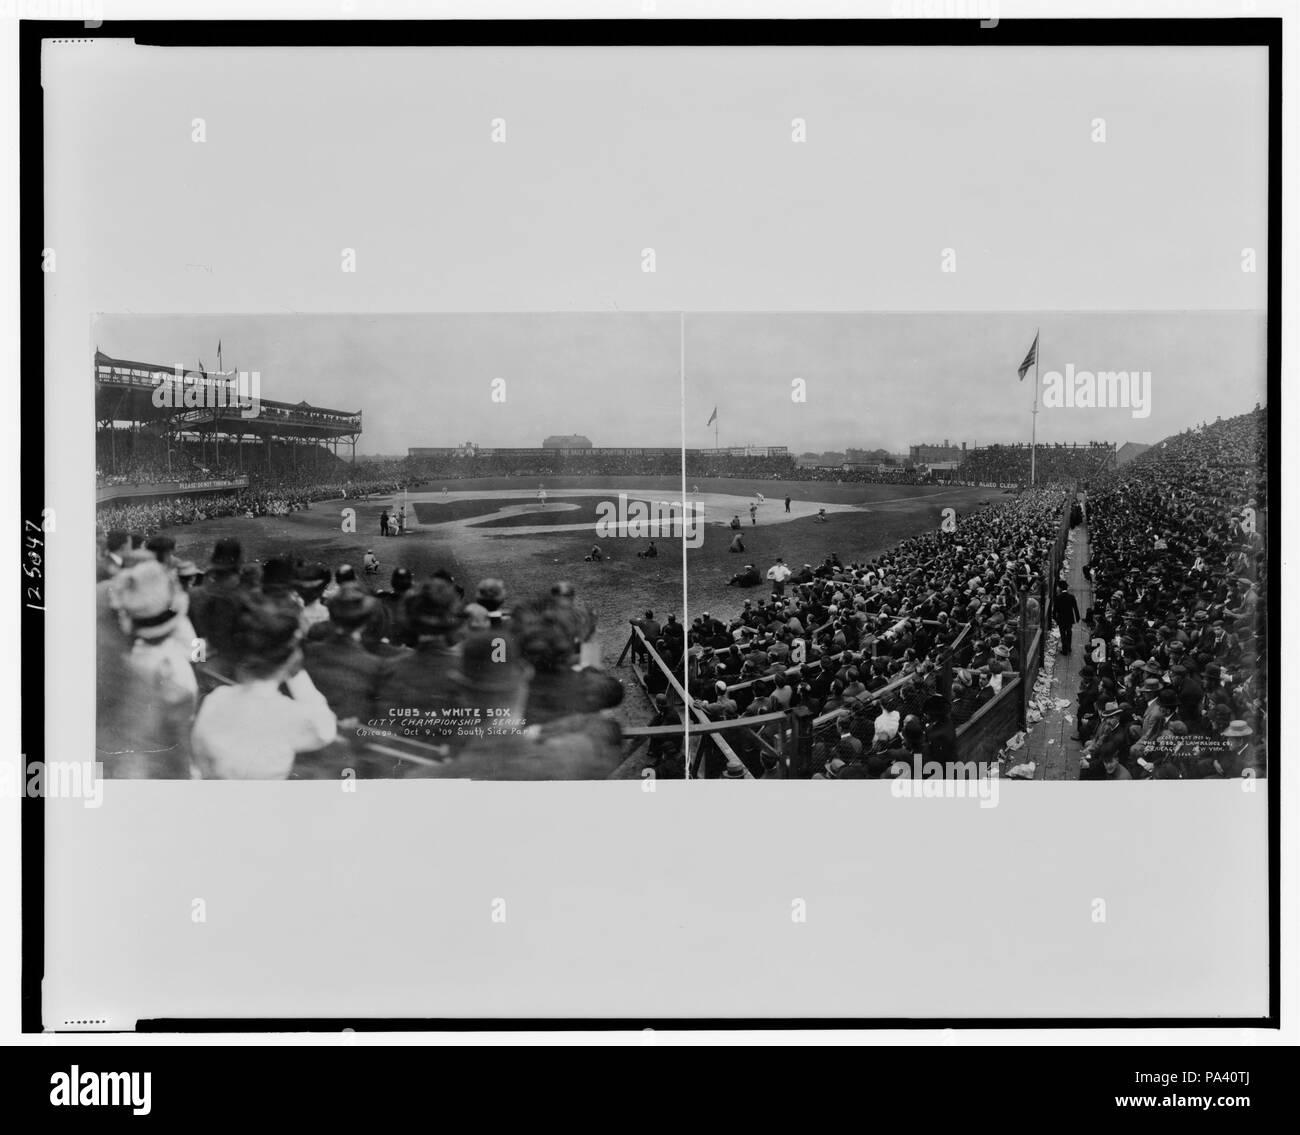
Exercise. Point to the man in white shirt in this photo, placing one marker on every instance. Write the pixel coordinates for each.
(250, 731)
(778, 573)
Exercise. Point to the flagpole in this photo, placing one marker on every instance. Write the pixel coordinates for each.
(1033, 434)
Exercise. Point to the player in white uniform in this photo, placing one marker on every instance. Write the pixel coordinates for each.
(541, 494)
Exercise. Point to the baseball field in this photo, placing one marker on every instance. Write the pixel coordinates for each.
(499, 527)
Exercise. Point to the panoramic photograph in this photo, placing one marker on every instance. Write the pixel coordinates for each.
(953, 547)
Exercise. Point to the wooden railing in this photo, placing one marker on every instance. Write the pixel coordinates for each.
(735, 766)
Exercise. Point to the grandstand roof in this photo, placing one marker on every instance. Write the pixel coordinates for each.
(130, 398)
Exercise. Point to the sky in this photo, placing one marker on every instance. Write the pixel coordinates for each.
(1104, 194)
(870, 381)
(895, 380)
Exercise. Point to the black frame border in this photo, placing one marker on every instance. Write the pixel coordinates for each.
(651, 32)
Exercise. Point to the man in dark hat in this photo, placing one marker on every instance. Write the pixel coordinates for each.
(279, 574)
(747, 577)
(1190, 695)
(163, 549)
(491, 596)
(1167, 754)
(392, 600)
(650, 628)
(310, 584)
(664, 754)
(116, 546)
(551, 635)
(1110, 733)
(214, 605)
(1162, 701)
(349, 676)
(419, 687)
(1089, 687)
(492, 678)
(940, 735)
(1065, 610)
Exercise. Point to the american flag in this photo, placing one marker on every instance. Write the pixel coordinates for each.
(1030, 360)
(712, 417)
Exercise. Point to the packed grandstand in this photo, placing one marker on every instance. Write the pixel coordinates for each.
(884, 662)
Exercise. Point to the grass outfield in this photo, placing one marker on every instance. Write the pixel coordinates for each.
(620, 588)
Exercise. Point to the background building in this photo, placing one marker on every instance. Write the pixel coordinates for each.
(944, 454)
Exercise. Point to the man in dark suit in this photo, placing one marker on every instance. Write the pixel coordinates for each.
(342, 669)
(650, 628)
(1065, 610)
(418, 688)
(940, 735)
(214, 605)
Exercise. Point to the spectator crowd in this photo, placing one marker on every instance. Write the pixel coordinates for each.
(290, 669)
(1177, 679)
(1053, 464)
(286, 669)
(865, 648)
(889, 657)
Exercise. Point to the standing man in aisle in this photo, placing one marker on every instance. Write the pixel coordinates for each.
(1066, 613)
